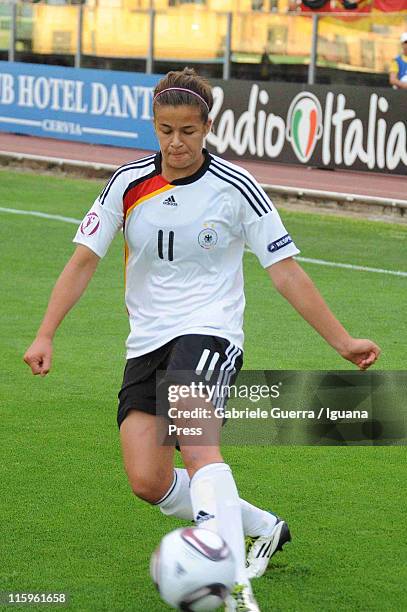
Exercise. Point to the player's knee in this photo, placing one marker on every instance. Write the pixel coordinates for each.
(146, 489)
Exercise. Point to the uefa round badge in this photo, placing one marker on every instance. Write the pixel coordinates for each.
(90, 224)
(208, 238)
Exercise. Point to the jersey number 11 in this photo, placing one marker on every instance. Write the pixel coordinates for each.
(160, 241)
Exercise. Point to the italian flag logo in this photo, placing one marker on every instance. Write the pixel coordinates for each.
(304, 125)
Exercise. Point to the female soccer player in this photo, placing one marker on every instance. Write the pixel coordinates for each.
(186, 216)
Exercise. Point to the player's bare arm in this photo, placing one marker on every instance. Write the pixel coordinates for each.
(297, 288)
(68, 289)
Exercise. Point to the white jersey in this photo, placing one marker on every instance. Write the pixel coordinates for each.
(184, 245)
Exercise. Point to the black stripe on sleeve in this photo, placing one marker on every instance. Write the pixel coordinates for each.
(239, 188)
(133, 166)
(130, 166)
(248, 183)
(250, 180)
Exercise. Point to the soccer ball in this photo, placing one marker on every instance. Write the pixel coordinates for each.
(193, 569)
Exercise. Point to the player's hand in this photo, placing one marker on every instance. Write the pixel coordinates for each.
(362, 352)
(39, 356)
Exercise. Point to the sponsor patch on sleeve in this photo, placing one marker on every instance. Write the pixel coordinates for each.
(279, 244)
(90, 224)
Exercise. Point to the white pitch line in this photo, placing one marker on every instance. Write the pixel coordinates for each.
(319, 262)
(332, 264)
(34, 213)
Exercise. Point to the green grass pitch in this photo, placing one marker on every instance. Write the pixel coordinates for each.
(68, 519)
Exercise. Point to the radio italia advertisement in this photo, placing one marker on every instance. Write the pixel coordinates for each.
(333, 127)
(327, 127)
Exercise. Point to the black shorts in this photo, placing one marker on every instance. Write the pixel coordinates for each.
(183, 360)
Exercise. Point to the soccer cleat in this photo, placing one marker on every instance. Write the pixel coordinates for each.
(241, 599)
(260, 549)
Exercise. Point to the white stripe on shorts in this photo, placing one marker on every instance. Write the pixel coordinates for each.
(211, 367)
(202, 361)
(227, 369)
(230, 371)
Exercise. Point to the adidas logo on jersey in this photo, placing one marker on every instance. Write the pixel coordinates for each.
(170, 201)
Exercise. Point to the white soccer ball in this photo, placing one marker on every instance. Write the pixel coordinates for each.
(193, 569)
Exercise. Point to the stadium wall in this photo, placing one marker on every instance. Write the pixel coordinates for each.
(321, 126)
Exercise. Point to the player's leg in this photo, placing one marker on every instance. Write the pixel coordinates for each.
(149, 465)
(267, 532)
(214, 496)
(215, 500)
(256, 522)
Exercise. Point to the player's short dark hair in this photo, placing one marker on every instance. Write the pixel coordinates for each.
(187, 79)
